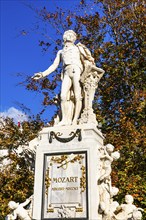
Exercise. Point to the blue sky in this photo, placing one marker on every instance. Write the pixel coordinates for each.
(21, 53)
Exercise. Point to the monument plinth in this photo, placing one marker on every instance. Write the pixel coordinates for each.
(67, 173)
(67, 156)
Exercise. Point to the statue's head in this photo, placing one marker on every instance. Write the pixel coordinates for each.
(129, 199)
(114, 191)
(69, 36)
(13, 205)
(109, 148)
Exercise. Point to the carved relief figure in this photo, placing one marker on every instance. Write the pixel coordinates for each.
(104, 196)
(128, 211)
(108, 158)
(65, 212)
(18, 210)
(72, 56)
(106, 205)
(106, 191)
(113, 204)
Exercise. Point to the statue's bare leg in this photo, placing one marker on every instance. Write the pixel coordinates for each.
(65, 89)
(77, 92)
(106, 174)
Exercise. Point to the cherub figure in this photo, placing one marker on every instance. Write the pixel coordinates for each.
(128, 211)
(108, 158)
(18, 210)
(106, 205)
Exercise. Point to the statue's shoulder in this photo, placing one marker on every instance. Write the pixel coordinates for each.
(82, 47)
(85, 52)
(59, 52)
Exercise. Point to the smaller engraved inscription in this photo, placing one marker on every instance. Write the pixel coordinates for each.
(65, 186)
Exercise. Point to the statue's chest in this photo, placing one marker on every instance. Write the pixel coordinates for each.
(70, 52)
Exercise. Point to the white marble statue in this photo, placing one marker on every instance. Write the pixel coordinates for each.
(18, 210)
(106, 205)
(128, 211)
(90, 79)
(108, 208)
(104, 197)
(107, 159)
(78, 66)
(113, 204)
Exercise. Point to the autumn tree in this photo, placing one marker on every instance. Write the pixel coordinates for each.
(17, 162)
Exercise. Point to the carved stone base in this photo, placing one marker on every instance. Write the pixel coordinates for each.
(67, 172)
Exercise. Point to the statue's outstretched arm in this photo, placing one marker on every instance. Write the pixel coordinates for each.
(25, 203)
(51, 69)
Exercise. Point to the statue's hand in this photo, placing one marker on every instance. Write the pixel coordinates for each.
(37, 76)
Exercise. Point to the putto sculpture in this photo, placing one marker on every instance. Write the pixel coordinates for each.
(107, 159)
(108, 208)
(128, 211)
(80, 78)
(19, 211)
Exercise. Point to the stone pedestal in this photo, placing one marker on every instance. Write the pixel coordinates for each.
(67, 172)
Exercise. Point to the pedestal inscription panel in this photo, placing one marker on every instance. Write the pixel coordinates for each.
(65, 186)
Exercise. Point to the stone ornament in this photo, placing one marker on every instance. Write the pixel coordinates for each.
(65, 212)
(108, 157)
(106, 191)
(80, 79)
(19, 211)
(128, 211)
(108, 208)
(72, 135)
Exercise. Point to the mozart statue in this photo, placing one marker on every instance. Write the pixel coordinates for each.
(78, 64)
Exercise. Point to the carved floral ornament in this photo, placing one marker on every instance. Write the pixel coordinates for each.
(72, 135)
